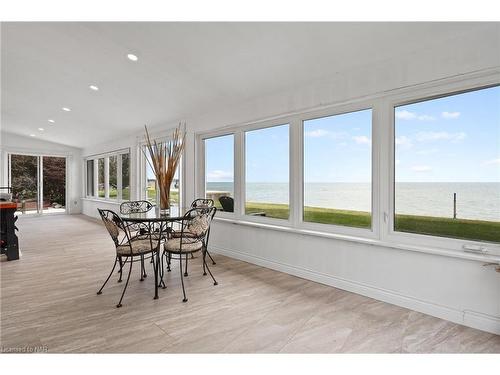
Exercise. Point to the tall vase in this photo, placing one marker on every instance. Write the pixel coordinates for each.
(163, 198)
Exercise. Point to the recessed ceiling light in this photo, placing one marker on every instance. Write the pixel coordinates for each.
(95, 88)
(32, 135)
(66, 109)
(51, 121)
(41, 129)
(132, 57)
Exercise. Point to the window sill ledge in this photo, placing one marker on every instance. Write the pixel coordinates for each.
(367, 241)
(102, 200)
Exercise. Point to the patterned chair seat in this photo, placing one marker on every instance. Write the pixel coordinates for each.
(174, 245)
(139, 246)
(177, 234)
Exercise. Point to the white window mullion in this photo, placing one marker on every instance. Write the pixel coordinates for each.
(96, 178)
(40, 184)
(296, 172)
(239, 174)
(381, 159)
(119, 175)
(201, 162)
(106, 177)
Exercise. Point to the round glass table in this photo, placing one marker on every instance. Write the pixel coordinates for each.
(155, 223)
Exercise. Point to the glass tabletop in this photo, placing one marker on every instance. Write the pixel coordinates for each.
(176, 213)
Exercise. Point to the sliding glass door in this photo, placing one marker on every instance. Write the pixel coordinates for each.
(54, 184)
(24, 182)
(38, 183)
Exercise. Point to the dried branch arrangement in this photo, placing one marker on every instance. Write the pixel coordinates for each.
(165, 157)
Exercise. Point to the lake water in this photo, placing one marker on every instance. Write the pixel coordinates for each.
(475, 200)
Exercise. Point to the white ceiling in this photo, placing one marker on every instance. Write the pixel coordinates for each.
(184, 69)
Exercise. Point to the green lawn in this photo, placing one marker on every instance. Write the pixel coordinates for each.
(437, 226)
(174, 195)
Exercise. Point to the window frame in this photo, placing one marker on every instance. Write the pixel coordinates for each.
(242, 202)
(382, 105)
(426, 240)
(201, 188)
(371, 232)
(106, 156)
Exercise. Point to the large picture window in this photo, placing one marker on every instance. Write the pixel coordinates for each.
(337, 169)
(267, 172)
(125, 172)
(90, 178)
(219, 170)
(113, 182)
(447, 166)
(334, 172)
(113, 177)
(101, 190)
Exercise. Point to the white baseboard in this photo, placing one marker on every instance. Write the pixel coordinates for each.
(467, 318)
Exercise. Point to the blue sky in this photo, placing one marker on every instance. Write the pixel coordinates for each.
(455, 138)
(451, 139)
(338, 148)
(219, 159)
(267, 154)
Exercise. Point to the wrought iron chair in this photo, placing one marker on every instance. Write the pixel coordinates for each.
(196, 222)
(129, 207)
(202, 202)
(197, 203)
(128, 248)
(227, 203)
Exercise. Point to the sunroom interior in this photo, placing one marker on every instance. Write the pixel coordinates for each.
(354, 168)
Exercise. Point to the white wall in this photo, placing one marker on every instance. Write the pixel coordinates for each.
(13, 143)
(461, 290)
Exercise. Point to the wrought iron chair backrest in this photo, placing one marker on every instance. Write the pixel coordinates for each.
(202, 202)
(197, 222)
(227, 203)
(135, 207)
(115, 226)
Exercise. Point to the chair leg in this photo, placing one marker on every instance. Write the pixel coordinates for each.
(186, 272)
(169, 260)
(182, 279)
(213, 261)
(142, 269)
(203, 261)
(121, 269)
(126, 283)
(162, 271)
(112, 270)
(210, 272)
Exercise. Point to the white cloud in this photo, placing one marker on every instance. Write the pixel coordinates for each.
(362, 140)
(492, 162)
(450, 115)
(317, 133)
(426, 118)
(427, 151)
(406, 115)
(421, 168)
(403, 141)
(219, 175)
(440, 136)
